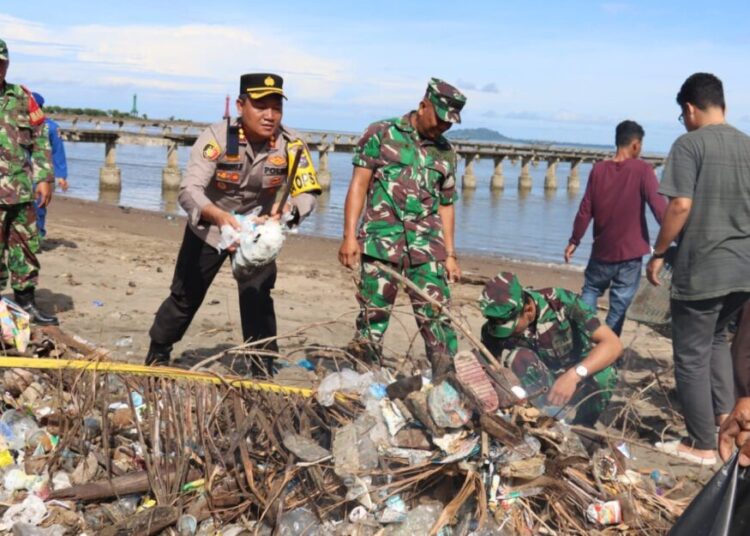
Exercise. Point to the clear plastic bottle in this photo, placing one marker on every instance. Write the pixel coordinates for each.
(15, 426)
(299, 522)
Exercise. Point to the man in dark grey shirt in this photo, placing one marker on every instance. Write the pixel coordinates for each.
(707, 178)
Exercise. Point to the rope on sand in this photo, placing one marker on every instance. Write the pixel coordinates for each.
(151, 371)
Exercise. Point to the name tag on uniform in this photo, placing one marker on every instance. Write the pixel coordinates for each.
(227, 176)
(274, 171)
(228, 172)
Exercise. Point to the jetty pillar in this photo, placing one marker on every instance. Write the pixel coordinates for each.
(524, 179)
(109, 175)
(324, 172)
(171, 176)
(574, 180)
(550, 178)
(497, 182)
(469, 180)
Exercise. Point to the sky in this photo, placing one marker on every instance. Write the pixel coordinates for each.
(565, 71)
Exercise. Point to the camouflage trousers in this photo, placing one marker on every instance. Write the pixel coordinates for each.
(377, 294)
(19, 244)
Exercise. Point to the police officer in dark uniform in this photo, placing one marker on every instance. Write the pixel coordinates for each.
(234, 167)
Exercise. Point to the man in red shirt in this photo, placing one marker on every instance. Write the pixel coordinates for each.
(616, 197)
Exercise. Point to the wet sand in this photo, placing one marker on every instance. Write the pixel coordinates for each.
(124, 259)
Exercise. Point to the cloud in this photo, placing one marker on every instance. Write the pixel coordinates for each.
(523, 116)
(466, 86)
(171, 58)
(490, 88)
(559, 116)
(489, 114)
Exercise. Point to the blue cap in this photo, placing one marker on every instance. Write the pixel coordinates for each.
(38, 98)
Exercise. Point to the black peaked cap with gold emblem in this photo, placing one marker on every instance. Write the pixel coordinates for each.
(258, 85)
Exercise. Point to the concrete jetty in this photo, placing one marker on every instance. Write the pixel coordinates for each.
(172, 134)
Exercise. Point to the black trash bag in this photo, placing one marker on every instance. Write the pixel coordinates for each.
(721, 508)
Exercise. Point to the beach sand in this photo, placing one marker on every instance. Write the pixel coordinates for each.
(106, 269)
(124, 259)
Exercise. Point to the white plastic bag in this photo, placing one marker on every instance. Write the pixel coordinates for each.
(257, 244)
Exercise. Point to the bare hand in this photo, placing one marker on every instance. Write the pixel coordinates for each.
(735, 432)
(569, 252)
(653, 268)
(43, 193)
(222, 218)
(350, 252)
(63, 184)
(453, 270)
(564, 388)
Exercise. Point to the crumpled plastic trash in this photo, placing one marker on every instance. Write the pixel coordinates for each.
(418, 521)
(298, 522)
(258, 244)
(14, 325)
(605, 513)
(305, 448)
(26, 529)
(447, 407)
(394, 511)
(15, 427)
(16, 479)
(31, 511)
(346, 381)
(353, 452)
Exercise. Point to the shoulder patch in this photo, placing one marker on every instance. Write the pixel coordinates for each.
(36, 115)
(277, 160)
(211, 151)
(305, 179)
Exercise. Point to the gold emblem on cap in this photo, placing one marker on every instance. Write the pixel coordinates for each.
(269, 81)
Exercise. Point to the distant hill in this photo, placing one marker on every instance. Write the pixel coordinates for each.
(477, 134)
(487, 134)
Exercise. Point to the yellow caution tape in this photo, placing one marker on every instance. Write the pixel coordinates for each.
(171, 373)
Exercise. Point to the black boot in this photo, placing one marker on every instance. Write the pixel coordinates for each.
(261, 367)
(158, 354)
(25, 299)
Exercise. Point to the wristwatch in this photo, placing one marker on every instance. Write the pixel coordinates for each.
(581, 371)
(656, 255)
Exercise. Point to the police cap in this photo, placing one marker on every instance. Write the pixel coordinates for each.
(258, 85)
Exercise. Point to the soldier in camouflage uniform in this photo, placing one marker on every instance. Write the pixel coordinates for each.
(24, 163)
(404, 170)
(563, 333)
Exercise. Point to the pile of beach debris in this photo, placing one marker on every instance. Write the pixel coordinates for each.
(96, 447)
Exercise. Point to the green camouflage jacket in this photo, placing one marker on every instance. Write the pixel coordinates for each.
(561, 335)
(412, 176)
(25, 150)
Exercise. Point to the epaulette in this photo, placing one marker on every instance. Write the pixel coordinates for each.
(36, 114)
(232, 151)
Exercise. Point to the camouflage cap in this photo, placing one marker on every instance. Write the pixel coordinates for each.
(3, 51)
(502, 302)
(447, 100)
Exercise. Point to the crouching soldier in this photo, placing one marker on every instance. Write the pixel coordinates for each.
(551, 338)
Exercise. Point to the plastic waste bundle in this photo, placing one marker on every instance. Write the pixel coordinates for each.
(258, 243)
(14, 325)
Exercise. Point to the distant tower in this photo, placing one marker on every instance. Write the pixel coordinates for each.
(134, 110)
(226, 108)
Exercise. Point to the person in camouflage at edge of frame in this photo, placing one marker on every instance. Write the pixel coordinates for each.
(404, 169)
(24, 162)
(563, 332)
